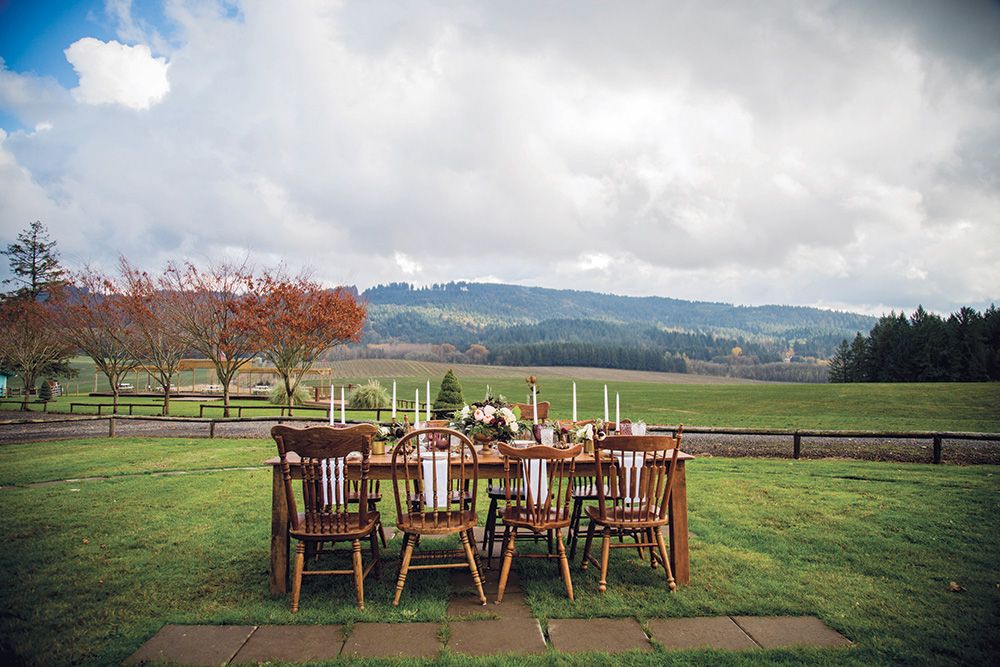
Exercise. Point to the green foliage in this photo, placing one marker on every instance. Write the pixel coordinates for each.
(34, 261)
(372, 395)
(45, 391)
(923, 348)
(279, 395)
(450, 396)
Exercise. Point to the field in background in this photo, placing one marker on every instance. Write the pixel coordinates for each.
(664, 398)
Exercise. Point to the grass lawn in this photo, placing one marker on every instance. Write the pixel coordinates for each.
(92, 569)
(972, 407)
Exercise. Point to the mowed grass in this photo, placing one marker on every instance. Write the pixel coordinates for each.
(92, 569)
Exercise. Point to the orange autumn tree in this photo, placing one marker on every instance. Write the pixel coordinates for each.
(297, 320)
(207, 307)
(157, 343)
(92, 316)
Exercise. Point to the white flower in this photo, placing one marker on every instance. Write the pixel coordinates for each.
(514, 426)
(508, 415)
(465, 412)
(480, 415)
(489, 410)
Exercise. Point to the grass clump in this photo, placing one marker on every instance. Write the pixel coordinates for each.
(370, 396)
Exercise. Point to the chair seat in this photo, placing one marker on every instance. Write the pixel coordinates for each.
(500, 492)
(585, 492)
(624, 517)
(424, 522)
(518, 516)
(351, 529)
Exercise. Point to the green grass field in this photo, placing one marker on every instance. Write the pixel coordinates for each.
(662, 399)
(92, 569)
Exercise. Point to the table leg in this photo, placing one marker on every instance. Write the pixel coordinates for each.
(279, 534)
(679, 556)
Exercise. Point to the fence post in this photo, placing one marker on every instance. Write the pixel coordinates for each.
(937, 448)
(111, 427)
(796, 445)
(211, 429)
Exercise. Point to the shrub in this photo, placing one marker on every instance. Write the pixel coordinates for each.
(450, 396)
(279, 396)
(45, 391)
(370, 396)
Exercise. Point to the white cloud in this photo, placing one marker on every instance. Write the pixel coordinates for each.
(113, 73)
(783, 152)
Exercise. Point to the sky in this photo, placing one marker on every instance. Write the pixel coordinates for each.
(842, 155)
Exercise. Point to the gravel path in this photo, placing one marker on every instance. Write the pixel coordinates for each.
(45, 427)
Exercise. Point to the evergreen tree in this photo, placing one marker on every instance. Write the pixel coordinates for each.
(840, 364)
(450, 396)
(34, 261)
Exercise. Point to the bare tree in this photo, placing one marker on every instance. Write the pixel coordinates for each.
(207, 307)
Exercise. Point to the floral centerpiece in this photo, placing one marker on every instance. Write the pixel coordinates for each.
(489, 419)
(588, 433)
(388, 436)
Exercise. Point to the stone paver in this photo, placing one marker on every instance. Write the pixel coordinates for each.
(409, 640)
(291, 643)
(677, 634)
(610, 635)
(193, 645)
(776, 632)
(516, 635)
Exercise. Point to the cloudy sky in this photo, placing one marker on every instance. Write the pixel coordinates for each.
(834, 154)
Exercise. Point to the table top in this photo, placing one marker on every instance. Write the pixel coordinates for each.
(489, 458)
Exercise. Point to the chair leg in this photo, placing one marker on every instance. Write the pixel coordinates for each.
(586, 547)
(359, 577)
(376, 555)
(574, 526)
(403, 566)
(300, 564)
(372, 506)
(508, 557)
(489, 532)
(666, 560)
(475, 552)
(472, 566)
(564, 564)
(602, 584)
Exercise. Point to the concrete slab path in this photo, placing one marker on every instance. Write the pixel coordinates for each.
(477, 630)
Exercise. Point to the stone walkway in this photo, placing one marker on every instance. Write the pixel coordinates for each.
(513, 630)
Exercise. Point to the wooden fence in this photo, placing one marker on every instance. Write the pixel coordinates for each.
(796, 435)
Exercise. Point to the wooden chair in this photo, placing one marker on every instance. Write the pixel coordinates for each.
(544, 477)
(584, 490)
(635, 475)
(325, 518)
(497, 492)
(435, 491)
(528, 410)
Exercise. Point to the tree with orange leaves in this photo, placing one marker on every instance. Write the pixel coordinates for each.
(296, 320)
(154, 337)
(207, 307)
(31, 344)
(92, 316)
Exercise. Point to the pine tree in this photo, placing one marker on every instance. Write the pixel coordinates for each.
(34, 261)
(450, 396)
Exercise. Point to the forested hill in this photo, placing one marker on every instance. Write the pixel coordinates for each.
(469, 311)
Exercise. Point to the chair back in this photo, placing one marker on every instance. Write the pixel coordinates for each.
(528, 410)
(323, 452)
(539, 483)
(635, 476)
(434, 477)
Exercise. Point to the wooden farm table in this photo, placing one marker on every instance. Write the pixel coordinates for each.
(490, 467)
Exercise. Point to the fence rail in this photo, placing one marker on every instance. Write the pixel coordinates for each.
(797, 435)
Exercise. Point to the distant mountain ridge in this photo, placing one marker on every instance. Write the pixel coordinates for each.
(468, 312)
